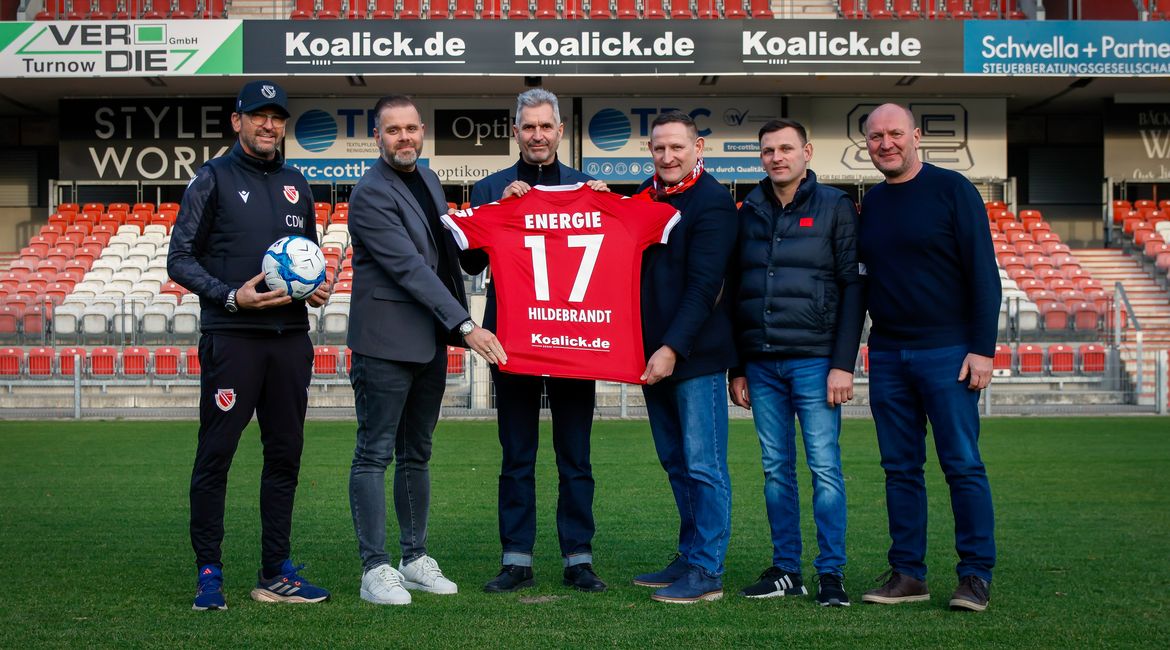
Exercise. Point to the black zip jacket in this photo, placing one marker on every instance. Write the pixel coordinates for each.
(231, 212)
(799, 293)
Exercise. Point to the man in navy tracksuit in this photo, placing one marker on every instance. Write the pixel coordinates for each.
(538, 130)
(254, 347)
(687, 334)
(799, 312)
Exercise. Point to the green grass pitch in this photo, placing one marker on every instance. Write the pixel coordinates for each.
(94, 549)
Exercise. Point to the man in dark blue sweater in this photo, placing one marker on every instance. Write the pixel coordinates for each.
(934, 297)
(686, 331)
(798, 315)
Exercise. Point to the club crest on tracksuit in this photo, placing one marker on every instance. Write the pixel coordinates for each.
(225, 398)
(292, 194)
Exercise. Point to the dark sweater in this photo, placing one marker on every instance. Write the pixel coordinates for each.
(932, 276)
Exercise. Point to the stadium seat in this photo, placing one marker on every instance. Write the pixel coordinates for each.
(571, 10)
(439, 9)
(384, 10)
(1092, 358)
(185, 320)
(135, 361)
(545, 10)
(1055, 317)
(761, 8)
(1061, 359)
(11, 361)
(166, 361)
(325, 359)
(330, 10)
(1031, 359)
(40, 362)
(600, 10)
(1002, 361)
(191, 362)
(875, 9)
(103, 361)
(1085, 316)
(517, 10)
(851, 9)
(905, 10)
(863, 353)
(464, 10)
(652, 10)
(627, 10)
(455, 360)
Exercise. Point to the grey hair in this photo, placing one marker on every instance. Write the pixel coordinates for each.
(537, 97)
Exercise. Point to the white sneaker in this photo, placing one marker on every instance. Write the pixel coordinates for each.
(382, 585)
(424, 574)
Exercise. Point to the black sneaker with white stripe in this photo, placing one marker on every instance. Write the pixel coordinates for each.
(775, 583)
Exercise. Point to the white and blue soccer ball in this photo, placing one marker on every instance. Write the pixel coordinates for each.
(295, 264)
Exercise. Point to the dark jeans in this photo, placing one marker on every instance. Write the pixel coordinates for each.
(268, 376)
(518, 415)
(907, 388)
(397, 406)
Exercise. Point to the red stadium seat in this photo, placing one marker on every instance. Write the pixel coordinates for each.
(1055, 317)
(1031, 359)
(68, 356)
(325, 360)
(135, 360)
(166, 361)
(905, 10)
(185, 9)
(159, 9)
(627, 10)
(571, 10)
(103, 361)
(303, 10)
(876, 9)
(11, 361)
(191, 359)
(733, 10)
(761, 8)
(1092, 358)
(330, 10)
(1085, 316)
(1061, 359)
(40, 361)
(599, 10)
(464, 10)
(1003, 357)
(410, 11)
(517, 9)
(439, 10)
(455, 357)
(864, 352)
(652, 10)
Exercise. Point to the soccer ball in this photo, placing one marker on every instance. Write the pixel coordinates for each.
(295, 264)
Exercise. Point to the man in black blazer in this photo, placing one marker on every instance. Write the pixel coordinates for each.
(686, 330)
(538, 130)
(408, 303)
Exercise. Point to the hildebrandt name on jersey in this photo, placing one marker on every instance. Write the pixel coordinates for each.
(570, 315)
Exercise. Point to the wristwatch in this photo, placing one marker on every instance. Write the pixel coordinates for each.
(230, 303)
(466, 327)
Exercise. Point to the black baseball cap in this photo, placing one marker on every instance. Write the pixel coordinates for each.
(258, 94)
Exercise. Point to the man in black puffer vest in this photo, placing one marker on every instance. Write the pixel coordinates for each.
(798, 315)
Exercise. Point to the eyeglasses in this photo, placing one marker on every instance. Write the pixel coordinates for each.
(259, 119)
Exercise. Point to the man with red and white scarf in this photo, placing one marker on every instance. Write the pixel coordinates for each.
(687, 333)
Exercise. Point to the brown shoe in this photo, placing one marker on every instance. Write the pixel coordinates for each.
(973, 594)
(898, 588)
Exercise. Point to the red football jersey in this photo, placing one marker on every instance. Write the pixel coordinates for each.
(567, 263)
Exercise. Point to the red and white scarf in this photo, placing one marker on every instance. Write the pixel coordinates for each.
(658, 191)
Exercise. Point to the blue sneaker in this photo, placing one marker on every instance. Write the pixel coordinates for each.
(696, 585)
(288, 587)
(209, 594)
(664, 578)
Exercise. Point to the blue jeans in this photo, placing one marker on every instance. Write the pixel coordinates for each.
(397, 405)
(907, 388)
(782, 390)
(688, 420)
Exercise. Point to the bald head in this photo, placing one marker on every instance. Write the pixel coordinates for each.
(892, 140)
